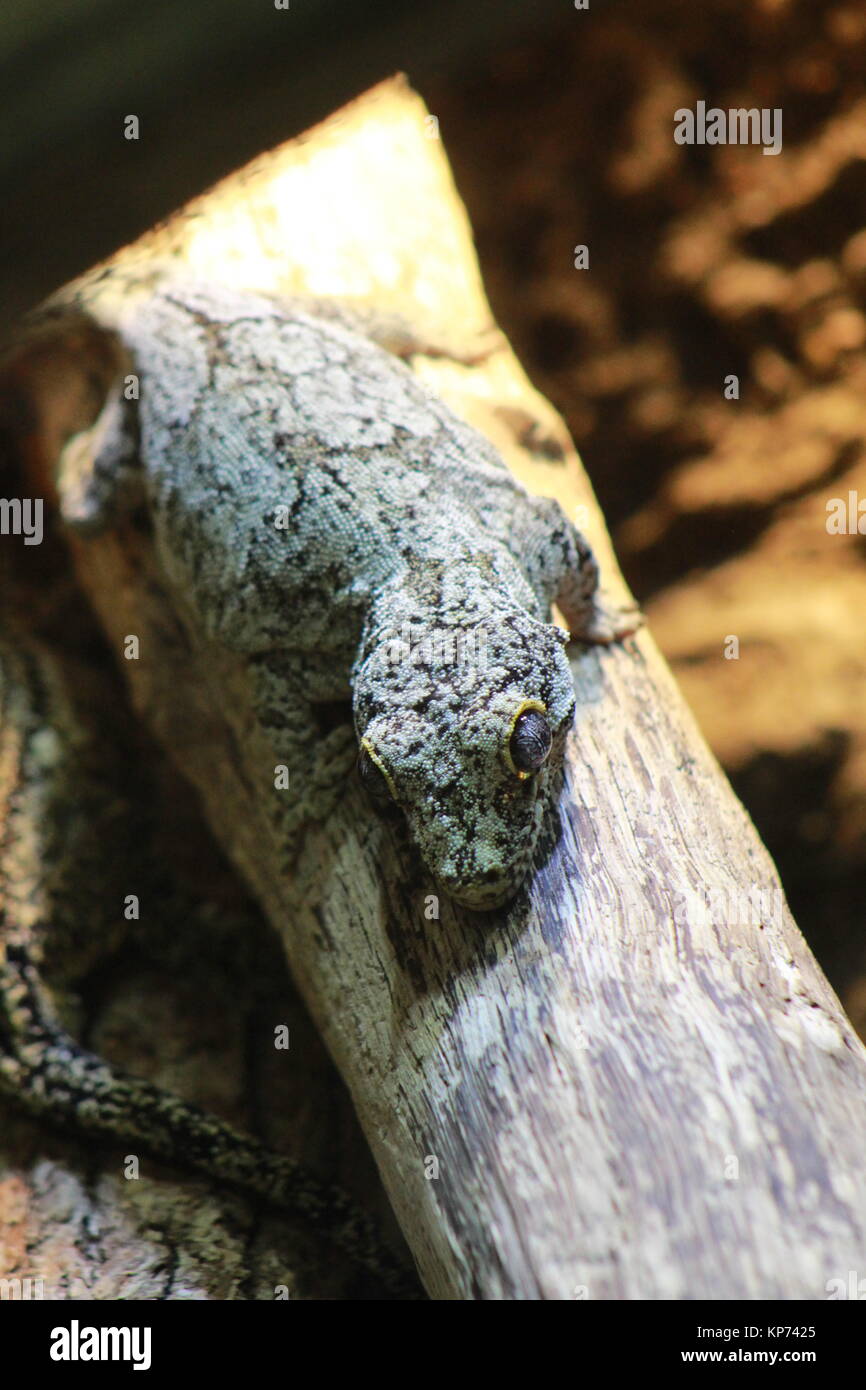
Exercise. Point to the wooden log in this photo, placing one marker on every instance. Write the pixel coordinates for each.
(636, 1083)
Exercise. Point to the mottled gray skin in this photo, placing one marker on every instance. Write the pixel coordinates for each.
(309, 499)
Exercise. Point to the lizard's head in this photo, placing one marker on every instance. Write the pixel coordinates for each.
(463, 728)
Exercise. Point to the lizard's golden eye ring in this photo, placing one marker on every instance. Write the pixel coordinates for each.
(530, 741)
(374, 779)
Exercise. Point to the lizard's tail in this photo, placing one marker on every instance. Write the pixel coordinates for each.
(44, 1069)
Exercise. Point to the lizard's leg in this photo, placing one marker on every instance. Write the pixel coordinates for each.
(100, 471)
(562, 569)
(64, 387)
(43, 1069)
(294, 709)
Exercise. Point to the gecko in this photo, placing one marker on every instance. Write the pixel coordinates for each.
(319, 512)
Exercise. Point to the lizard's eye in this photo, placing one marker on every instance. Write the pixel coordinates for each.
(530, 742)
(374, 779)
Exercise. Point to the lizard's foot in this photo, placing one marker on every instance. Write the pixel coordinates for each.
(608, 622)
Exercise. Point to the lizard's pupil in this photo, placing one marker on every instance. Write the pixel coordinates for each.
(530, 741)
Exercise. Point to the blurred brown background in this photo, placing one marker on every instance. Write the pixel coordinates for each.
(704, 261)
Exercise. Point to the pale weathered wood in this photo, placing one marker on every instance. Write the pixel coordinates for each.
(626, 1097)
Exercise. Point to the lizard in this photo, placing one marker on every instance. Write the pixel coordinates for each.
(316, 510)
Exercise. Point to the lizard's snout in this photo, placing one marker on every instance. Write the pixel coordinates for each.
(483, 888)
(479, 848)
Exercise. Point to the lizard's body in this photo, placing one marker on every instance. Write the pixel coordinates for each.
(314, 508)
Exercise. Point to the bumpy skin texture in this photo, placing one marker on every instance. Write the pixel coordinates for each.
(318, 511)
